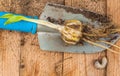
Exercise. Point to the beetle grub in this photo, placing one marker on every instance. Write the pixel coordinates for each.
(101, 64)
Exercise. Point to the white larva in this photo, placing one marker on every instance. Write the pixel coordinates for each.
(101, 65)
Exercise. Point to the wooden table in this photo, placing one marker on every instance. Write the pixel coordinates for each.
(20, 54)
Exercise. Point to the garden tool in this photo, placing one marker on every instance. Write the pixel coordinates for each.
(50, 39)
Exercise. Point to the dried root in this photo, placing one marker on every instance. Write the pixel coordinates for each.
(74, 31)
(93, 43)
(110, 44)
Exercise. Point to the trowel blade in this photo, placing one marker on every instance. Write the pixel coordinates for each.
(53, 42)
(50, 39)
(57, 13)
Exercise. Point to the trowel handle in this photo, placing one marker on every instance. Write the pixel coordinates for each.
(22, 26)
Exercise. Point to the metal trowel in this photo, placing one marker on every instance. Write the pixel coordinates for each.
(50, 39)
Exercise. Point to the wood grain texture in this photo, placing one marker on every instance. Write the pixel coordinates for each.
(10, 53)
(34, 61)
(83, 64)
(1, 50)
(20, 54)
(9, 47)
(98, 6)
(113, 10)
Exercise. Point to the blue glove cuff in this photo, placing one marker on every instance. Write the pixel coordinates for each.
(22, 26)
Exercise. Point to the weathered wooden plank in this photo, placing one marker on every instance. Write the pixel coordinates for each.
(10, 53)
(9, 47)
(113, 10)
(35, 62)
(98, 6)
(1, 49)
(74, 65)
(83, 64)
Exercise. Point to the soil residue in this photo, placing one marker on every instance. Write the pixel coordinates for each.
(52, 20)
(88, 14)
